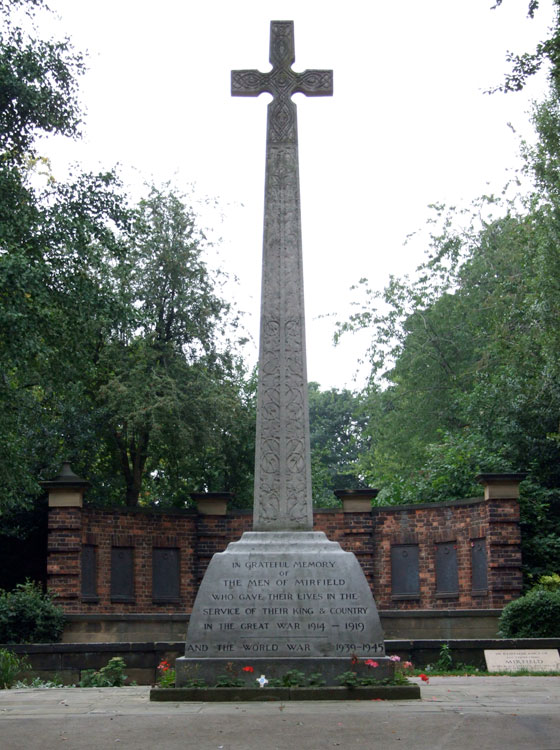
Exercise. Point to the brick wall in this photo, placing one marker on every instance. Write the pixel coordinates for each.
(370, 535)
(457, 523)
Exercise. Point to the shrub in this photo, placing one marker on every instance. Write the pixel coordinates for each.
(535, 615)
(550, 583)
(111, 675)
(10, 666)
(29, 616)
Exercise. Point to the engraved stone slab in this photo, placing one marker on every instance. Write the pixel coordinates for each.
(284, 595)
(479, 565)
(405, 580)
(532, 659)
(447, 574)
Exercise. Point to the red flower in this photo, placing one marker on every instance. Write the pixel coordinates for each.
(424, 677)
(247, 669)
(164, 665)
(371, 663)
(354, 659)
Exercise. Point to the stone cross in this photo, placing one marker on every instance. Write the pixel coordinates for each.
(282, 499)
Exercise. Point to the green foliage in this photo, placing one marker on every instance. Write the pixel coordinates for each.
(176, 407)
(38, 80)
(29, 616)
(228, 680)
(336, 423)
(316, 679)
(165, 675)
(292, 678)
(526, 64)
(549, 583)
(445, 660)
(465, 357)
(38, 683)
(352, 679)
(55, 239)
(535, 615)
(191, 683)
(10, 666)
(348, 679)
(114, 352)
(111, 675)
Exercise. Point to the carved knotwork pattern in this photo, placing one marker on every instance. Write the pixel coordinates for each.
(282, 460)
(281, 82)
(282, 488)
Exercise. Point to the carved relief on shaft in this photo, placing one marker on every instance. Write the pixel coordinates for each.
(282, 461)
(282, 456)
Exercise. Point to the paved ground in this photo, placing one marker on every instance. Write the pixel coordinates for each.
(479, 713)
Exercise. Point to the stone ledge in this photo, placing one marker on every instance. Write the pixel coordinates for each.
(203, 695)
(433, 613)
(423, 506)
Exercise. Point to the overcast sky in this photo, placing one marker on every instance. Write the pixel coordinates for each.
(408, 125)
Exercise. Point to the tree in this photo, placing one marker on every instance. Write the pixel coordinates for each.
(54, 240)
(336, 426)
(38, 86)
(527, 64)
(109, 323)
(465, 357)
(164, 385)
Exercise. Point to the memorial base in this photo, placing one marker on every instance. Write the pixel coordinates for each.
(382, 692)
(277, 601)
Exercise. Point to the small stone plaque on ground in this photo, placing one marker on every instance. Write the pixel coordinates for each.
(531, 659)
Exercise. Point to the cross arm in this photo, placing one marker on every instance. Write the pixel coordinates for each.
(315, 83)
(249, 83)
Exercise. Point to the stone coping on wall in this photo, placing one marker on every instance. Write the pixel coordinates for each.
(192, 511)
(128, 617)
(438, 613)
(422, 506)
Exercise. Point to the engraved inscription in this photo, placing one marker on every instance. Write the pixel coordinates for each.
(301, 604)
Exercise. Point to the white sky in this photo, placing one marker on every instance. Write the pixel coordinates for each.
(408, 125)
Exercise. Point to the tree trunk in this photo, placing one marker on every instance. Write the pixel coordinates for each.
(133, 460)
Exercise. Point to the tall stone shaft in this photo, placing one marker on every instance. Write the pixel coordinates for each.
(282, 499)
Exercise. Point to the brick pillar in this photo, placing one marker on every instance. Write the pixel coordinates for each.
(505, 579)
(211, 528)
(211, 503)
(65, 537)
(358, 526)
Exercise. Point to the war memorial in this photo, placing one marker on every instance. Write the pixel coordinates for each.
(287, 586)
(283, 596)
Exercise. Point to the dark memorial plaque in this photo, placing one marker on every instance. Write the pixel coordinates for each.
(447, 578)
(122, 574)
(89, 571)
(405, 579)
(165, 574)
(479, 565)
